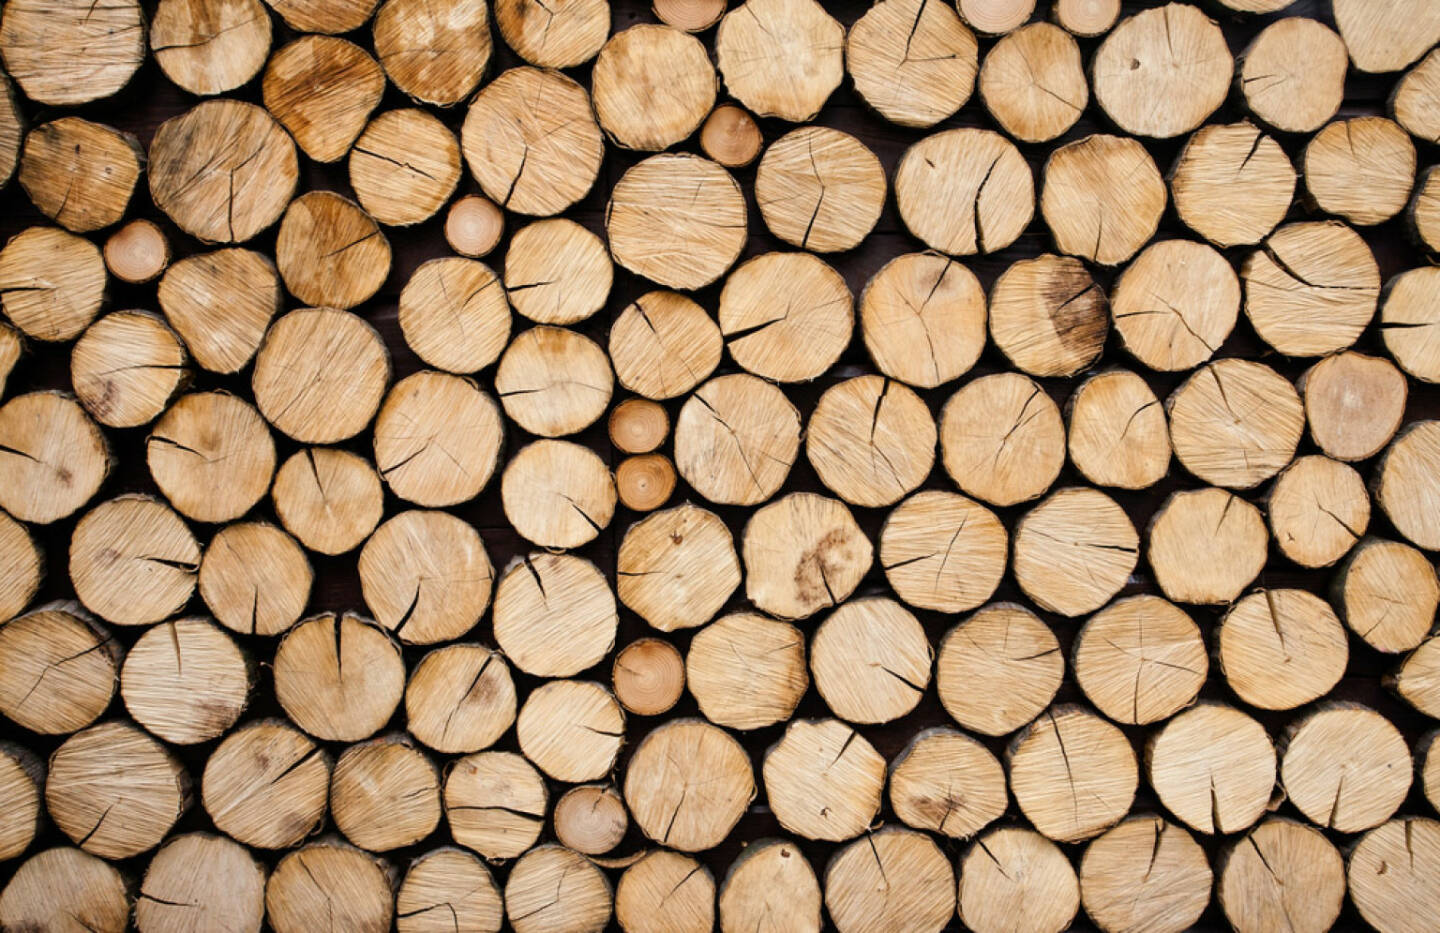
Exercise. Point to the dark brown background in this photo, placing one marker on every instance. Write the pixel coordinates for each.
(150, 99)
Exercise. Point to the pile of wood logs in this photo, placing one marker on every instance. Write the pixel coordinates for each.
(756, 466)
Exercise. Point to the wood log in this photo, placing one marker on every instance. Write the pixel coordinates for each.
(1176, 304)
(552, 889)
(677, 219)
(638, 426)
(1406, 481)
(689, 15)
(331, 253)
(1205, 546)
(571, 730)
(663, 345)
(1354, 403)
(1048, 316)
(255, 579)
(770, 881)
(998, 669)
(995, 17)
(460, 698)
(201, 879)
(1404, 896)
(871, 660)
(324, 16)
(1073, 774)
(323, 89)
(77, 659)
(571, 34)
(1213, 767)
(671, 761)
(404, 167)
(677, 568)
(329, 499)
(730, 136)
(52, 283)
(566, 514)
(1423, 213)
(133, 560)
(339, 678)
(1256, 6)
(631, 64)
(12, 131)
(298, 894)
(590, 819)
(210, 47)
(1033, 83)
(1086, 18)
(782, 59)
(1102, 198)
(1235, 423)
(57, 457)
(648, 677)
(126, 368)
(446, 885)
(1413, 99)
(645, 483)
(969, 540)
(965, 191)
(1292, 75)
(435, 60)
(553, 382)
(223, 170)
(437, 439)
(266, 785)
(1145, 874)
(63, 886)
(425, 575)
(1117, 431)
(747, 671)
(385, 794)
(12, 346)
(186, 681)
(1345, 767)
(495, 804)
(894, 877)
(1074, 551)
(1389, 37)
(823, 780)
(923, 297)
(944, 781)
(803, 553)
(912, 61)
(811, 334)
(220, 304)
(454, 315)
(1015, 876)
(554, 614)
(211, 455)
(1407, 321)
(1427, 767)
(62, 54)
(1140, 660)
(1002, 439)
(80, 174)
(866, 451)
(1282, 873)
(474, 225)
(22, 568)
(1281, 648)
(1311, 289)
(531, 141)
(557, 272)
(1387, 594)
(820, 189)
(115, 791)
(666, 892)
(1362, 169)
(736, 438)
(1232, 184)
(1318, 509)
(22, 780)
(1163, 71)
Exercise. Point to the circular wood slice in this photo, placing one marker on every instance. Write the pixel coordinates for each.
(1311, 289)
(558, 35)
(54, 457)
(1387, 593)
(255, 579)
(115, 791)
(1388, 37)
(1413, 99)
(571, 730)
(1292, 75)
(324, 16)
(1213, 767)
(52, 283)
(1206, 545)
(1362, 169)
(426, 577)
(22, 568)
(691, 16)
(1354, 404)
(1232, 183)
(495, 804)
(677, 568)
(947, 782)
(998, 669)
(1145, 874)
(1346, 767)
(1319, 508)
(266, 785)
(330, 252)
(1073, 774)
(995, 17)
(1033, 83)
(666, 892)
(460, 698)
(1015, 876)
(942, 551)
(12, 130)
(923, 300)
(558, 494)
(186, 681)
(631, 66)
(1235, 423)
(80, 174)
(133, 560)
(590, 819)
(454, 315)
(871, 660)
(871, 441)
(736, 439)
(820, 189)
(199, 878)
(437, 439)
(638, 426)
(1410, 324)
(1417, 679)
(781, 58)
(1048, 316)
(648, 676)
(1408, 482)
(385, 794)
(327, 498)
(1074, 551)
(220, 304)
(404, 167)
(1117, 429)
(210, 48)
(672, 760)
(1256, 6)
(747, 671)
(298, 897)
(1102, 197)
(338, 677)
(557, 272)
(1282, 648)
(823, 780)
(553, 381)
(319, 375)
(552, 889)
(127, 367)
(323, 89)
(474, 225)
(1140, 660)
(212, 456)
(1283, 873)
(645, 483)
(663, 345)
(63, 886)
(892, 878)
(1162, 71)
(912, 61)
(1404, 896)
(137, 253)
(677, 219)
(802, 341)
(965, 191)
(803, 553)
(730, 136)
(1086, 18)
(554, 615)
(434, 59)
(1175, 305)
(223, 170)
(78, 661)
(445, 884)
(770, 882)
(531, 141)
(62, 54)
(1002, 439)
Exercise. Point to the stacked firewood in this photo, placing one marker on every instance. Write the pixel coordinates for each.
(552, 463)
